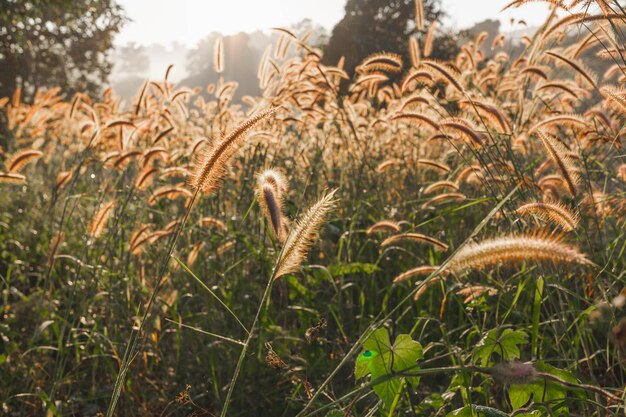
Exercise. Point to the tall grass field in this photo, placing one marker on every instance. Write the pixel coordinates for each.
(423, 238)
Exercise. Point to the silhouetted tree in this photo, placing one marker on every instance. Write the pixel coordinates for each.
(133, 59)
(383, 25)
(64, 43)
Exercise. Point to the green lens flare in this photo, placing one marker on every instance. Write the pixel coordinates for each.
(367, 355)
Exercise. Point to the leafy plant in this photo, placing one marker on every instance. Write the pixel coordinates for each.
(387, 363)
(504, 343)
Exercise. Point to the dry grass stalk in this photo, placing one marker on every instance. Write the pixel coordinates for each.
(193, 254)
(420, 270)
(416, 118)
(381, 61)
(414, 237)
(426, 286)
(434, 165)
(383, 226)
(419, 15)
(512, 249)
(17, 162)
(12, 178)
(212, 222)
(55, 244)
(444, 198)
(446, 72)
(169, 192)
(302, 235)
(552, 212)
(414, 50)
(385, 165)
(145, 177)
(99, 221)
(563, 159)
(465, 129)
(211, 165)
(561, 119)
(270, 190)
(430, 39)
(225, 247)
(63, 178)
(474, 291)
(576, 66)
(218, 55)
(436, 186)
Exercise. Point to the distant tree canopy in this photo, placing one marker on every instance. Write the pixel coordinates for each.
(240, 63)
(371, 26)
(133, 59)
(45, 43)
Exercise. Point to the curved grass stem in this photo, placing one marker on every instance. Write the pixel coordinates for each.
(246, 345)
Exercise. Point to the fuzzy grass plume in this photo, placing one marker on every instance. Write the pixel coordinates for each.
(551, 212)
(563, 159)
(99, 221)
(418, 271)
(270, 190)
(302, 235)
(383, 226)
(211, 165)
(513, 249)
(17, 162)
(414, 237)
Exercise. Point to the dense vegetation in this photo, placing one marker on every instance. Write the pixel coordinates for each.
(425, 238)
(47, 43)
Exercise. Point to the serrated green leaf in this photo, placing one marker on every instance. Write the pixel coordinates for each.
(505, 344)
(378, 342)
(510, 340)
(406, 353)
(380, 358)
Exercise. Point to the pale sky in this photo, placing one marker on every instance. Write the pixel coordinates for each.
(188, 21)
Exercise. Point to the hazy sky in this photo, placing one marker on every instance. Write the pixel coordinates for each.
(188, 21)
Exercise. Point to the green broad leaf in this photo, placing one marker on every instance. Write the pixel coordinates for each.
(462, 412)
(519, 395)
(381, 358)
(387, 390)
(541, 390)
(380, 364)
(406, 353)
(505, 344)
(378, 342)
(353, 268)
(363, 363)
